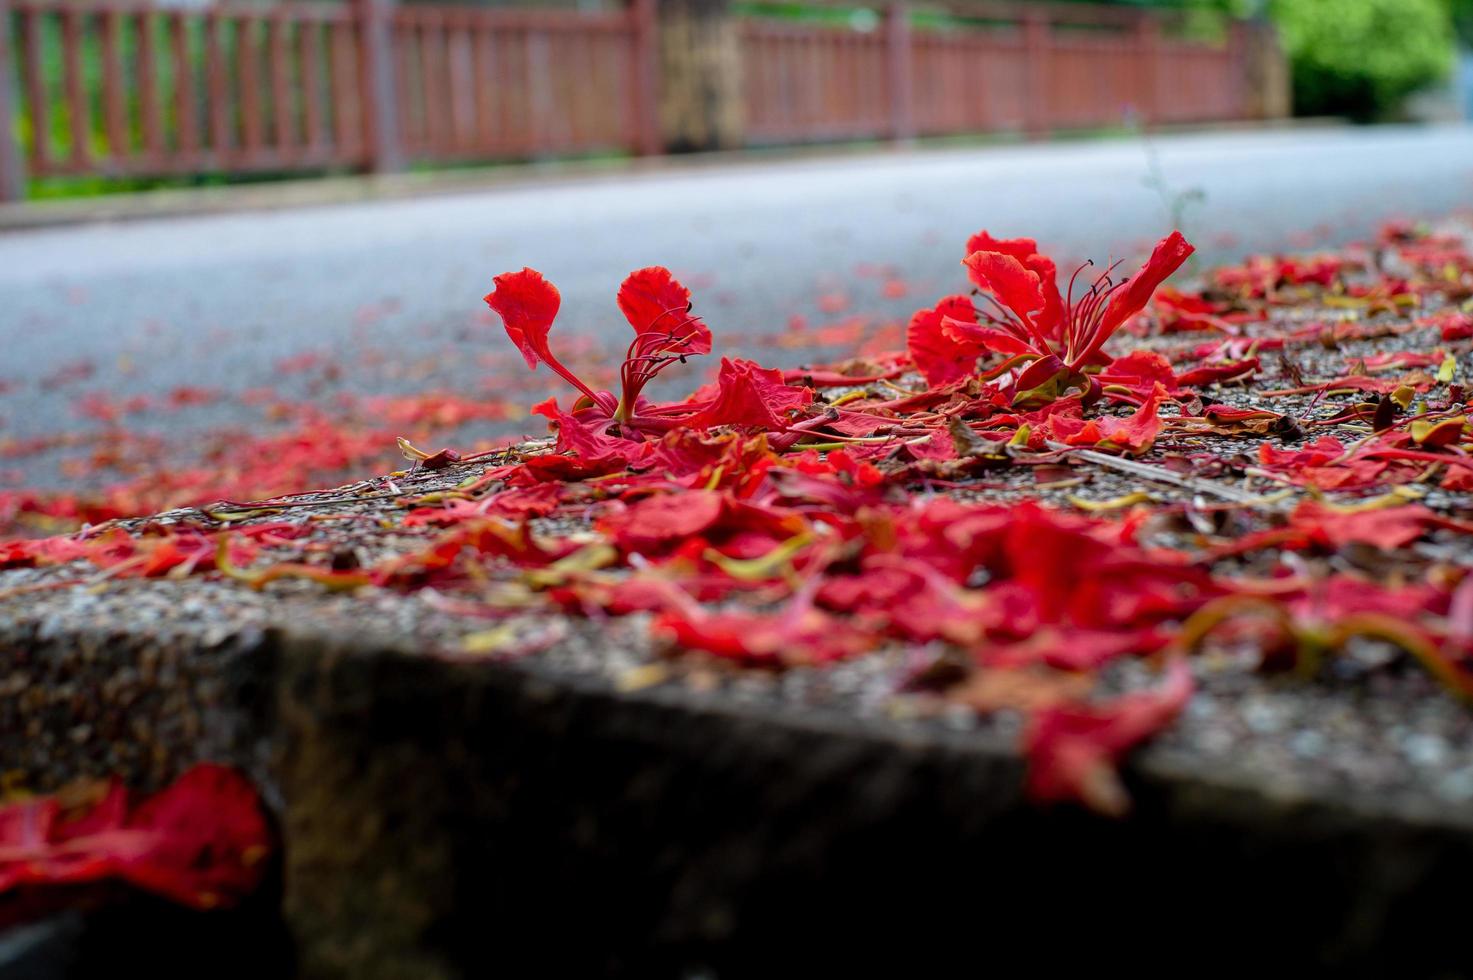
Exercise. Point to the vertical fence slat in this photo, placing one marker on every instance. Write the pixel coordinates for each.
(1148, 48)
(340, 90)
(537, 78)
(215, 79)
(281, 88)
(435, 48)
(186, 124)
(114, 86)
(411, 117)
(574, 113)
(380, 115)
(309, 72)
(149, 114)
(1036, 43)
(79, 116)
(248, 71)
(460, 89)
(36, 102)
(12, 172)
(506, 81)
(482, 73)
(898, 63)
(644, 83)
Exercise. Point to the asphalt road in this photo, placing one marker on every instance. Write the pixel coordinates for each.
(220, 301)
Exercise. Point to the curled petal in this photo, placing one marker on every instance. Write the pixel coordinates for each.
(1050, 318)
(1168, 256)
(527, 305)
(658, 306)
(1018, 248)
(1014, 286)
(1136, 433)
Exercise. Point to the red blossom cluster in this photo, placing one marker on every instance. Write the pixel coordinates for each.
(774, 518)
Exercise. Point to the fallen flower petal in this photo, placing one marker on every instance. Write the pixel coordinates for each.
(202, 842)
(1072, 750)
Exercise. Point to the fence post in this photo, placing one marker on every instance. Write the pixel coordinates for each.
(12, 177)
(1265, 71)
(1148, 45)
(645, 99)
(898, 51)
(379, 93)
(1036, 41)
(700, 76)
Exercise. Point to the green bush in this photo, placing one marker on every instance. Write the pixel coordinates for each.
(1361, 58)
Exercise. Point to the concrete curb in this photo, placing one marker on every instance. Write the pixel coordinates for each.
(441, 815)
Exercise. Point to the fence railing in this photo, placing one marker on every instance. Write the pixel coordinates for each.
(514, 83)
(118, 88)
(1020, 69)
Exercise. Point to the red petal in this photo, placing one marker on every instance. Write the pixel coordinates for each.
(1137, 433)
(1387, 527)
(751, 395)
(1140, 371)
(1015, 286)
(1018, 248)
(1050, 319)
(796, 634)
(1212, 374)
(985, 338)
(1072, 751)
(527, 305)
(942, 358)
(200, 842)
(655, 522)
(1166, 258)
(654, 302)
(589, 442)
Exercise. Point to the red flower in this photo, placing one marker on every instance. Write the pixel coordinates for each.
(1025, 250)
(657, 306)
(1029, 321)
(654, 302)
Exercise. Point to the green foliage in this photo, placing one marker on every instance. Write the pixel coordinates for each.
(1361, 58)
(1462, 11)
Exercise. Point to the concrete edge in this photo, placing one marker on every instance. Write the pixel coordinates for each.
(423, 796)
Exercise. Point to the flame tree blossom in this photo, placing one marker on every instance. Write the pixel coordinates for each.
(1053, 338)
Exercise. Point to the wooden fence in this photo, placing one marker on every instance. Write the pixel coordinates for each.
(1029, 69)
(117, 88)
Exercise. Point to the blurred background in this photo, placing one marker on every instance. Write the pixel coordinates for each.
(318, 193)
(100, 95)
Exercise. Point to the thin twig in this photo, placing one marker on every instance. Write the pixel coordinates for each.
(1159, 474)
